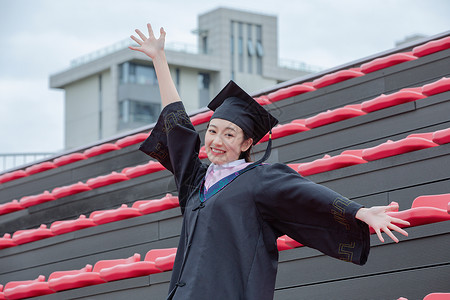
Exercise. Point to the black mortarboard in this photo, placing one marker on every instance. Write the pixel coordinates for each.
(235, 105)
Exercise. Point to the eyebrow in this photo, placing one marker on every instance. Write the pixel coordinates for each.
(231, 128)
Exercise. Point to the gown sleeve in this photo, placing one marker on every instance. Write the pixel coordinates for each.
(312, 214)
(175, 143)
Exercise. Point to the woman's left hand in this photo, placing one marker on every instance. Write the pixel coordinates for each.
(377, 218)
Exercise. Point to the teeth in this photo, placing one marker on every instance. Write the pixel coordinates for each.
(217, 151)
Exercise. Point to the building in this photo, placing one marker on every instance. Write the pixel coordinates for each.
(115, 89)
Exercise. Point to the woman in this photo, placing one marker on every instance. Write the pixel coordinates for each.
(234, 210)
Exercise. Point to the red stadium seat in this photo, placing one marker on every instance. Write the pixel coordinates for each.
(427, 135)
(66, 280)
(28, 201)
(442, 136)
(68, 159)
(30, 235)
(101, 149)
(437, 296)
(131, 267)
(201, 118)
(387, 61)
(263, 100)
(431, 47)
(132, 140)
(40, 167)
(356, 152)
(165, 263)
(61, 227)
(2, 295)
(437, 201)
(112, 178)
(284, 130)
(328, 163)
(27, 288)
(151, 206)
(285, 243)
(153, 254)
(437, 87)
(290, 91)
(141, 170)
(418, 216)
(337, 77)
(202, 153)
(68, 190)
(13, 176)
(400, 97)
(113, 215)
(331, 116)
(391, 148)
(10, 207)
(6, 242)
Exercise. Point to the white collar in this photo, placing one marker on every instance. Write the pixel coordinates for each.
(232, 164)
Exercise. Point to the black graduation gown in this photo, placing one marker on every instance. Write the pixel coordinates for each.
(227, 247)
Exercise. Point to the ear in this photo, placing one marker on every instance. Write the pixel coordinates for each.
(246, 144)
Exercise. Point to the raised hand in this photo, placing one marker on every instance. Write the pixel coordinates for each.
(151, 46)
(377, 218)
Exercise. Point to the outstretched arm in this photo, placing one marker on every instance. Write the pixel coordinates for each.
(377, 218)
(154, 48)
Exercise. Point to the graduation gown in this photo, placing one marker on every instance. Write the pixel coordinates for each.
(227, 247)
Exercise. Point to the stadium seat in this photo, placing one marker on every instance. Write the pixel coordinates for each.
(328, 163)
(336, 115)
(201, 118)
(27, 288)
(2, 295)
(112, 178)
(28, 201)
(61, 227)
(151, 206)
(37, 168)
(30, 235)
(6, 242)
(437, 87)
(113, 215)
(202, 153)
(131, 267)
(101, 149)
(68, 190)
(263, 100)
(438, 201)
(66, 280)
(391, 148)
(400, 97)
(290, 91)
(68, 159)
(284, 130)
(132, 140)
(442, 136)
(387, 61)
(10, 207)
(141, 170)
(337, 77)
(154, 254)
(431, 47)
(165, 263)
(437, 296)
(285, 243)
(13, 176)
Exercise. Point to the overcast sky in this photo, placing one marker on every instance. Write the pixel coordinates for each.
(41, 37)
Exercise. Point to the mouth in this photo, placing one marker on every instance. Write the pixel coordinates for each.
(217, 151)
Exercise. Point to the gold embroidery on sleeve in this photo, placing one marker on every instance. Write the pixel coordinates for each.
(338, 211)
(346, 251)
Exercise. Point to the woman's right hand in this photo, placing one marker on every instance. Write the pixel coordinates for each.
(151, 46)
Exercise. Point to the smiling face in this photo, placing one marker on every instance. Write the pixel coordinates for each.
(224, 141)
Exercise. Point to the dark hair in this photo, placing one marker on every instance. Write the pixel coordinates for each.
(246, 154)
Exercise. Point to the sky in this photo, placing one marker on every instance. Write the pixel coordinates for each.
(40, 37)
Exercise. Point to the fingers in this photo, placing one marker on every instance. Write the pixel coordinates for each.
(136, 40)
(400, 221)
(391, 207)
(162, 33)
(150, 30)
(390, 234)
(380, 237)
(398, 229)
(141, 35)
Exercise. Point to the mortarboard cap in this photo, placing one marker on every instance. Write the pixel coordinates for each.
(235, 105)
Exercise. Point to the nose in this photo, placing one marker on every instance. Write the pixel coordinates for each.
(217, 140)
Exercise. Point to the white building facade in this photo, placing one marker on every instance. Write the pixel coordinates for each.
(113, 91)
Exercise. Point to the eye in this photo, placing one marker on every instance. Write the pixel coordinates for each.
(211, 131)
(229, 135)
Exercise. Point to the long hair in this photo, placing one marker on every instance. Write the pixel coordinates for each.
(246, 154)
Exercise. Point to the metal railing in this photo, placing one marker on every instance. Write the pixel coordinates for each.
(12, 160)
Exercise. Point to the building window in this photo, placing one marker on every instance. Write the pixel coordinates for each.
(250, 48)
(232, 45)
(259, 50)
(205, 44)
(135, 113)
(204, 80)
(241, 46)
(137, 74)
